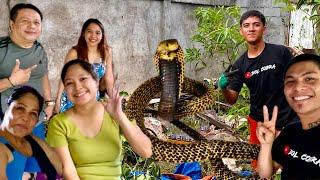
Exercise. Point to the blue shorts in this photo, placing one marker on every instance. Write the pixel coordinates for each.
(20, 162)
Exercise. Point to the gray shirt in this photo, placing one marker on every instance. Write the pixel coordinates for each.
(28, 57)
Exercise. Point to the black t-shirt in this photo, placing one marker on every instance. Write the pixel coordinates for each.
(264, 77)
(298, 152)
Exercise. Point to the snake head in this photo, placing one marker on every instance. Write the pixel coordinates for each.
(167, 49)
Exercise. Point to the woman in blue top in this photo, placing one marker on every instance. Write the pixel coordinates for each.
(21, 116)
(93, 48)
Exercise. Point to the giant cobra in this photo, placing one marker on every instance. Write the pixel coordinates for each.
(170, 83)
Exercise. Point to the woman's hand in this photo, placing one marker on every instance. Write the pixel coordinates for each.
(113, 104)
(266, 130)
(139, 142)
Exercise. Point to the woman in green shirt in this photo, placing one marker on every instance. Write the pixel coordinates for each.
(87, 137)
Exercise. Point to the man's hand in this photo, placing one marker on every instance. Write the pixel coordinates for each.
(223, 81)
(56, 108)
(266, 130)
(48, 112)
(20, 76)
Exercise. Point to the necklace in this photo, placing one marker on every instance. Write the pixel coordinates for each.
(314, 124)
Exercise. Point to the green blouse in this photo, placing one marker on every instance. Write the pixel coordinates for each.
(94, 158)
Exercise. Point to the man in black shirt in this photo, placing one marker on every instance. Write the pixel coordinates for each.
(261, 69)
(297, 149)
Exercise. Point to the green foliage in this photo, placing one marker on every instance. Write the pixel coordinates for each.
(277, 176)
(314, 15)
(194, 54)
(243, 129)
(244, 93)
(314, 3)
(241, 109)
(289, 5)
(124, 93)
(133, 163)
(217, 33)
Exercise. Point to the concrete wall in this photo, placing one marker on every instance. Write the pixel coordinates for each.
(134, 28)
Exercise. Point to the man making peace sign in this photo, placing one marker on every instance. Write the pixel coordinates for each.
(297, 149)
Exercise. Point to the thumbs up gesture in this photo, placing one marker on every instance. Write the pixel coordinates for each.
(20, 76)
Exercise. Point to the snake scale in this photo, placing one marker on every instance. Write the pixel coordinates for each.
(170, 84)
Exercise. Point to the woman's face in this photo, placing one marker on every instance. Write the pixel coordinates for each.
(302, 87)
(93, 34)
(27, 25)
(25, 115)
(80, 86)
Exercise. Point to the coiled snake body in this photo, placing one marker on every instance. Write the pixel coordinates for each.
(171, 83)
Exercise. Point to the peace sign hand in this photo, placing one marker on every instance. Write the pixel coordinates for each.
(266, 130)
(20, 76)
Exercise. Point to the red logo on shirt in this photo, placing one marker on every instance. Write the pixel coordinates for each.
(247, 75)
(286, 149)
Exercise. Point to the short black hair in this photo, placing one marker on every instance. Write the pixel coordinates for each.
(83, 64)
(303, 57)
(253, 13)
(14, 11)
(19, 92)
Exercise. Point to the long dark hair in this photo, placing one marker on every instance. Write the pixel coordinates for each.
(82, 48)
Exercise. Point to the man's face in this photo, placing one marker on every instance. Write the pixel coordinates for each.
(252, 30)
(27, 26)
(302, 88)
